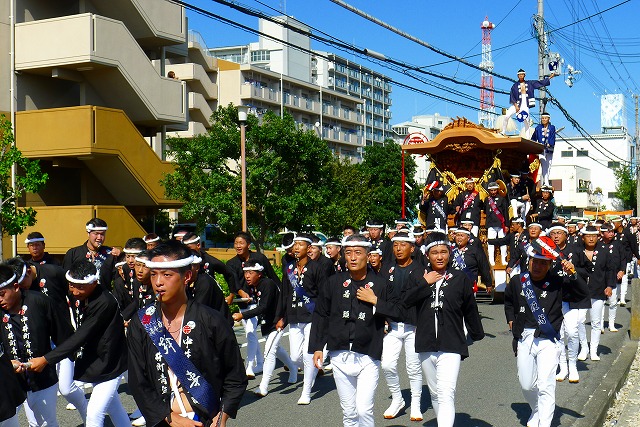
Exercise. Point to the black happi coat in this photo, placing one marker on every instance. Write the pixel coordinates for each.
(629, 243)
(476, 263)
(550, 293)
(212, 347)
(519, 255)
(314, 279)
(544, 210)
(398, 278)
(326, 265)
(491, 219)
(343, 322)
(212, 265)
(236, 264)
(98, 342)
(12, 394)
(599, 274)
(123, 291)
(570, 253)
(207, 291)
(267, 296)
(428, 207)
(475, 207)
(458, 305)
(46, 322)
(386, 246)
(51, 282)
(47, 258)
(104, 262)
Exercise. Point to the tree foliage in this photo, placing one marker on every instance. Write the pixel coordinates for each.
(625, 187)
(29, 178)
(382, 165)
(293, 180)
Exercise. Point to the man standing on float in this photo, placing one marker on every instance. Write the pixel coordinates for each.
(522, 98)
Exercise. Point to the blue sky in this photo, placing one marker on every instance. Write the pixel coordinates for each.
(606, 48)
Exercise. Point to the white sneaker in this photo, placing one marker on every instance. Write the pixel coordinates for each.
(562, 374)
(623, 303)
(305, 399)
(393, 410)
(71, 407)
(584, 353)
(594, 357)
(574, 377)
(416, 413)
(139, 422)
(260, 393)
(613, 329)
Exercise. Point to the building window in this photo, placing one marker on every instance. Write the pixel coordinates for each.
(556, 184)
(568, 153)
(260, 55)
(582, 153)
(613, 165)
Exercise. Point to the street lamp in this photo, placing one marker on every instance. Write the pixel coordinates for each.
(242, 118)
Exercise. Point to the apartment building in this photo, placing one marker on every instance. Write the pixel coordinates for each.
(92, 101)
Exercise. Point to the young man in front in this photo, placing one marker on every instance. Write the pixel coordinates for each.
(185, 366)
(349, 319)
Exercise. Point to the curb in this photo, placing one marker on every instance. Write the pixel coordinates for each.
(595, 410)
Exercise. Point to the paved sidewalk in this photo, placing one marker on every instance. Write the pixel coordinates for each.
(625, 409)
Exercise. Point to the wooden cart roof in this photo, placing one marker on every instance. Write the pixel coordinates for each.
(462, 136)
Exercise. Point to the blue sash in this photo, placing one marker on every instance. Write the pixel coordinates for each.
(543, 322)
(309, 304)
(202, 393)
(437, 207)
(458, 257)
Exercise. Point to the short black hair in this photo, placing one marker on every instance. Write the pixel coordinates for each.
(35, 235)
(135, 243)
(172, 249)
(97, 222)
(314, 238)
(437, 236)
(81, 269)
(17, 264)
(190, 235)
(253, 263)
(287, 239)
(143, 254)
(6, 272)
(350, 227)
(243, 234)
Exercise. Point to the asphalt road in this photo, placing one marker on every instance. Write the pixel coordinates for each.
(488, 393)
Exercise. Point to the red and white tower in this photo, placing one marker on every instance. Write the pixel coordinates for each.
(487, 114)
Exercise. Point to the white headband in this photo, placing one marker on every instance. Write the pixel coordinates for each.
(176, 263)
(463, 230)
(302, 239)
(557, 227)
(356, 243)
(11, 281)
(376, 251)
(190, 241)
(333, 243)
(196, 260)
(436, 243)
(257, 267)
(142, 260)
(374, 225)
(24, 272)
(131, 251)
(409, 238)
(534, 223)
(155, 239)
(583, 231)
(121, 263)
(35, 239)
(92, 227)
(318, 244)
(85, 281)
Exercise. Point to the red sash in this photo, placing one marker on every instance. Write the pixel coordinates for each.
(496, 211)
(469, 200)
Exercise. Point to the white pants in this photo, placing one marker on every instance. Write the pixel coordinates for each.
(626, 280)
(474, 230)
(613, 309)
(356, 376)
(272, 349)
(254, 356)
(299, 345)
(573, 318)
(69, 389)
(11, 422)
(537, 364)
(545, 163)
(595, 316)
(402, 333)
(492, 233)
(512, 110)
(441, 372)
(105, 400)
(40, 407)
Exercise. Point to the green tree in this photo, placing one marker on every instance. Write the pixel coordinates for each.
(287, 174)
(625, 187)
(349, 192)
(29, 178)
(382, 165)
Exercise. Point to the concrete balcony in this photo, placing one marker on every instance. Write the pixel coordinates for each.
(199, 109)
(102, 52)
(197, 77)
(101, 142)
(151, 22)
(199, 53)
(193, 129)
(248, 91)
(122, 226)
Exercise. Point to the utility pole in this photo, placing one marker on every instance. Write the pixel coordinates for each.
(635, 153)
(542, 52)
